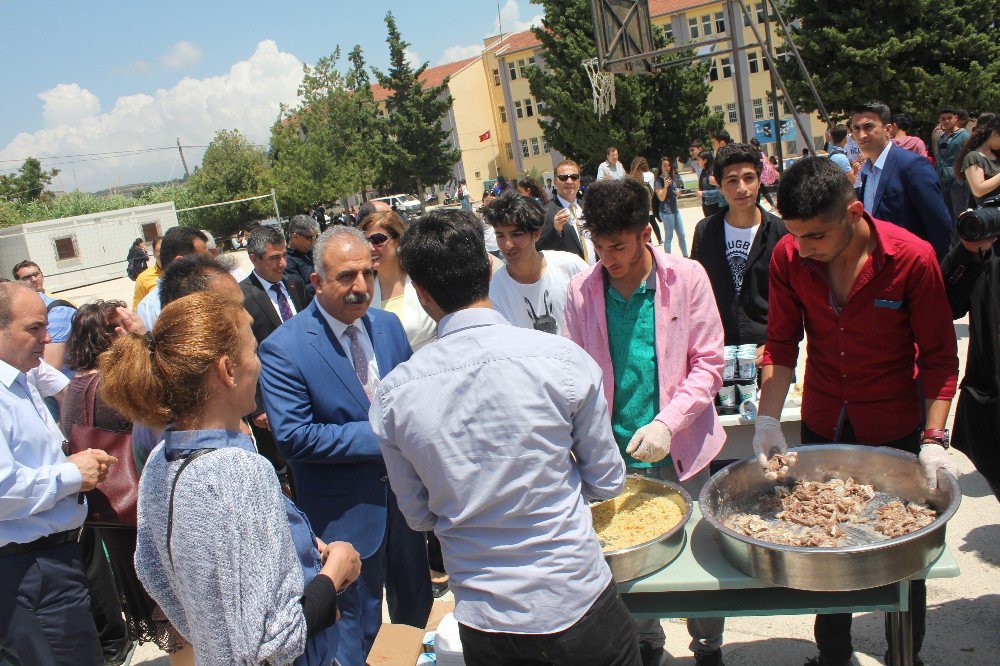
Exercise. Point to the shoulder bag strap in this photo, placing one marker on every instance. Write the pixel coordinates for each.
(170, 505)
(90, 400)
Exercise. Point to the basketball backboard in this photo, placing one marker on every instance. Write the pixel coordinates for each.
(622, 30)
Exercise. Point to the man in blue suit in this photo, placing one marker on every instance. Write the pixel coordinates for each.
(896, 185)
(320, 369)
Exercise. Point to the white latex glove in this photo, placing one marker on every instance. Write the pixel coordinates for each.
(651, 442)
(768, 439)
(934, 457)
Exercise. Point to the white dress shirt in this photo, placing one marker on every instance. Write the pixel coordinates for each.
(616, 172)
(268, 288)
(38, 486)
(149, 307)
(873, 173)
(339, 329)
(576, 219)
(495, 437)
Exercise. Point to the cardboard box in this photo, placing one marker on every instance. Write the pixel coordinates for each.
(401, 644)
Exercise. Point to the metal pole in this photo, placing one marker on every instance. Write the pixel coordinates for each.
(774, 96)
(736, 55)
(274, 198)
(802, 65)
(187, 174)
(777, 75)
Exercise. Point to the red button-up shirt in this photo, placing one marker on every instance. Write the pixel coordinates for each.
(861, 358)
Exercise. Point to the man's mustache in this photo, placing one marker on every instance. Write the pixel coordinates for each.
(355, 298)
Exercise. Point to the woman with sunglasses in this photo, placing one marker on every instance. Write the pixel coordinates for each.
(393, 290)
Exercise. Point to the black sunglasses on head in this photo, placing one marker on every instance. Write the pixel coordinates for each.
(568, 176)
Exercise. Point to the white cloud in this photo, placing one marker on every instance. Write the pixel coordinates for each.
(456, 53)
(246, 98)
(67, 104)
(182, 55)
(510, 19)
(412, 57)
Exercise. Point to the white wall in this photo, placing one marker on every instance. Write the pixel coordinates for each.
(101, 241)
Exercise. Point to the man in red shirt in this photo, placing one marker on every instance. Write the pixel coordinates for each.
(868, 293)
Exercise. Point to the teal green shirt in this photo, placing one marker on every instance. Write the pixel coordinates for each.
(632, 338)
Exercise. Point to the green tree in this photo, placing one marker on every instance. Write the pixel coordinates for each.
(914, 55)
(232, 168)
(418, 153)
(367, 152)
(28, 183)
(653, 114)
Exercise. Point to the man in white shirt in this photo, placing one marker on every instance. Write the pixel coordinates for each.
(611, 168)
(530, 290)
(495, 437)
(563, 228)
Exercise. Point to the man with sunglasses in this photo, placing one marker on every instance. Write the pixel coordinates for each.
(302, 233)
(563, 228)
(60, 313)
(530, 290)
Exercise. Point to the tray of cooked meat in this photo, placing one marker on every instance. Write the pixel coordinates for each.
(837, 517)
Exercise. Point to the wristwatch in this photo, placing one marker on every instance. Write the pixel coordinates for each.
(936, 436)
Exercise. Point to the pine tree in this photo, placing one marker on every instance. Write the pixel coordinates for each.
(367, 153)
(418, 153)
(654, 115)
(914, 55)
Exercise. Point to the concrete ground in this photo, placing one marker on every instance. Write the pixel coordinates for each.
(963, 616)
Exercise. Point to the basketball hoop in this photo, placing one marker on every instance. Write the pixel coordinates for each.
(603, 84)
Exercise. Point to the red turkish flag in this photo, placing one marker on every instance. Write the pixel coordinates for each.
(484, 137)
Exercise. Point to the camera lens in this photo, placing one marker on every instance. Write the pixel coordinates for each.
(979, 224)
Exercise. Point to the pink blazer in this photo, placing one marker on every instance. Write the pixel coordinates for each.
(689, 341)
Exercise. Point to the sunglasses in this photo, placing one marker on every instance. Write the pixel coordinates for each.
(378, 239)
(29, 276)
(568, 176)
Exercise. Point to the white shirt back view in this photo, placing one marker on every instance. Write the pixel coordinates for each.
(539, 305)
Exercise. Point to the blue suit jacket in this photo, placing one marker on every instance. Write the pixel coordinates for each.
(909, 195)
(318, 413)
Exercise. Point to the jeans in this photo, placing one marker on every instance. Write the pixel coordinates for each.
(833, 631)
(672, 221)
(705, 632)
(604, 636)
(956, 197)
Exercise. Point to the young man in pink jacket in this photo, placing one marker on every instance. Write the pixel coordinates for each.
(650, 321)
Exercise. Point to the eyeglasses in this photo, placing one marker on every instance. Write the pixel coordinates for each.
(29, 276)
(378, 239)
(568, 176)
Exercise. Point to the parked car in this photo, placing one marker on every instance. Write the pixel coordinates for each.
(402, 203)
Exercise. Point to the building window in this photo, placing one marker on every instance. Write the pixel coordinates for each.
(524, 148)
(706, 24)
(518, 110)
(534, 146)
(731, 108)
(668, 31)
(66, 248)
(753, 64)
(520, 68)
(770, 107)
(529, 110)
(545, 146)
(713, 73)
(531, 60)
(720, 23)
(727, 68)
(478, 176)
(693, 28)
(503, 113)
(150, 230)
(496, 77)
(717, 109)
(758, 109)
(510, 151)
(512, 70)
(761, 15)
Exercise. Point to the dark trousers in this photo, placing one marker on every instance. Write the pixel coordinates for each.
(655, 223)
(434, 556)
(604, 636)
(45, 617)
(833, 631)
(400, 567)
(105, 605)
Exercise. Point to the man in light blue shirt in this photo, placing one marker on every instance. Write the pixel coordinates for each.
(177, 242)
(495, 437)
(44, 600)
(60, 314)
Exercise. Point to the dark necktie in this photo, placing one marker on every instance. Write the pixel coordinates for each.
(284, 309)
(360, 361)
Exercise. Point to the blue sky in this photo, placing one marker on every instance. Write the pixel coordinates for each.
(97, 76)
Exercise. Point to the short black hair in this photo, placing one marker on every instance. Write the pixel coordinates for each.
(723, 136)
(613, 206)
(946, 109)
(839, 133)
(873, 106)
(735, 153)
(444, 252)
(262, 236)
(190, 275)
(814, 187)
(696, 143)
(364, 210)
(903, 121)
(27, 263)
(513, 208)
(962, 115)
(179, 242)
